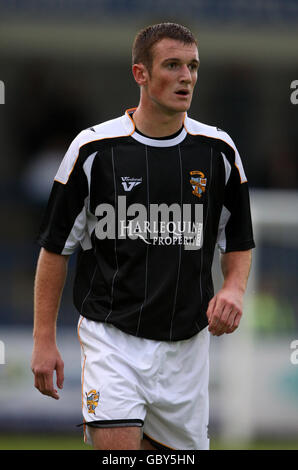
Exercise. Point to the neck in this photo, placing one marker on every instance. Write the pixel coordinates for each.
(157, 123)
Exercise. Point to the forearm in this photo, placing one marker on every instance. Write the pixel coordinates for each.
(225, 308)
(49, 283)
(235, 268)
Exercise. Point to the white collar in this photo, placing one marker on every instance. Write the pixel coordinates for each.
(130, 127)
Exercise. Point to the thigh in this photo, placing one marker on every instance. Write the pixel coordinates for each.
(179, 416)
(112, 402)
(125, 438)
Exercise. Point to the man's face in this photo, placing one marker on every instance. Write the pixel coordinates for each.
(173, 75)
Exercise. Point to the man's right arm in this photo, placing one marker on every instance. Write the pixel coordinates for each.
(49, 283)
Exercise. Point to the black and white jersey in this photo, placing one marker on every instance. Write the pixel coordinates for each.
(145, 216)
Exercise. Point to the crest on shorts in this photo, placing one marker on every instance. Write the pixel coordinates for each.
(92, 400)
(198, 182)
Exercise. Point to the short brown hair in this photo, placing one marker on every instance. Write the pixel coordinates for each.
(149, 36)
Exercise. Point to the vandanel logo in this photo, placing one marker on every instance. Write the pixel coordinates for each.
(128, 183)
(198, 182)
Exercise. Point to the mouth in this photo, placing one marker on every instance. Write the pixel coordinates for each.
(183, 93)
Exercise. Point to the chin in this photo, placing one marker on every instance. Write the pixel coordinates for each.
(182, 108)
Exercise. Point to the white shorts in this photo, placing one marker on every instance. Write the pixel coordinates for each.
(160, 386)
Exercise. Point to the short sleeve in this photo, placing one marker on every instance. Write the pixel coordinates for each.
(235, 232)
(64, 222)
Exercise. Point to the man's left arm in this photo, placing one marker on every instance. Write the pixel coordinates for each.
(225, 308)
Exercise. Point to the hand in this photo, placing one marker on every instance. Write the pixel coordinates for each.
(45, 359)
(225, 311)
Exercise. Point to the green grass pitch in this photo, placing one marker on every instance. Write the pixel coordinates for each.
(65, 442)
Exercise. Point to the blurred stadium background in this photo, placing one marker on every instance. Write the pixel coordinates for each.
(65, 65)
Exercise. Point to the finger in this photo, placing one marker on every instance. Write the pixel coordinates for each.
(223, 321)
(230, 320)
(235, 323)
(44, 383)
(36, 382)
(49, 386)
(39, 381)
(215, 323)
(60, 374)
(214, 312)
(222, 325)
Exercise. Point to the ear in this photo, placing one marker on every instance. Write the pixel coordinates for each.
(140, 74)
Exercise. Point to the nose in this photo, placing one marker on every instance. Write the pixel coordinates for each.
(185, 74)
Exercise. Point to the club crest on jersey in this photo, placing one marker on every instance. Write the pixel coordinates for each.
(128, 183)
(198, 182)
(92, 400)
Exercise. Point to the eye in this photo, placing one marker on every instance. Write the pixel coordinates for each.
(172, 65)
(193, 67)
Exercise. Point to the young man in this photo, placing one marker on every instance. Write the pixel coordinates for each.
(146, 197)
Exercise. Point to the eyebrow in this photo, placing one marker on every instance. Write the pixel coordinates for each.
(175, 59)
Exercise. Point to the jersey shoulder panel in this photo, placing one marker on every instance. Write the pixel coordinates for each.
(118, 127)
(72, 154)
(226, 145)
(194, 127)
